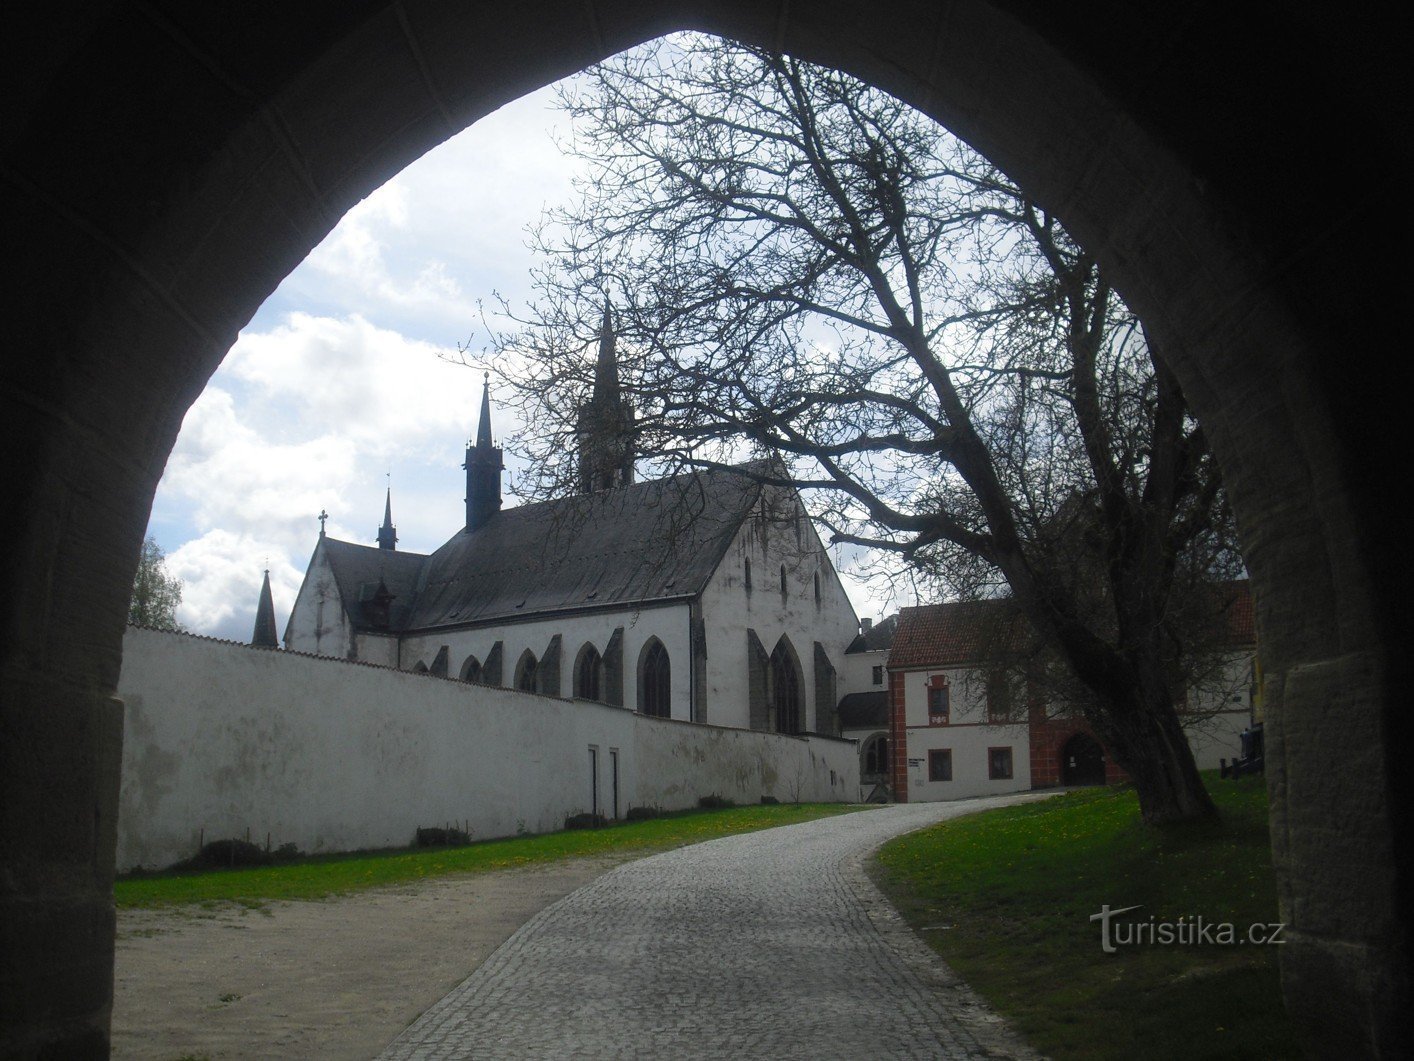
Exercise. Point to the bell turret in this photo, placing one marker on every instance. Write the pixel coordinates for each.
(483, 468)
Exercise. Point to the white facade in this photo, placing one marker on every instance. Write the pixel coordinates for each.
(794, 598)
(774, 588)
(974, 746)
(978, 755)
(1219, 708)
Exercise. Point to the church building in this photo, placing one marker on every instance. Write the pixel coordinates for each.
(704, 597)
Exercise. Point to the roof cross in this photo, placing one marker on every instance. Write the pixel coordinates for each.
(322, 517)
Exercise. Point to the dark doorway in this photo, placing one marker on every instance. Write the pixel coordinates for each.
(1082, 761)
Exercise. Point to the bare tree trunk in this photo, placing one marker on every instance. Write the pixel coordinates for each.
(1147, 740)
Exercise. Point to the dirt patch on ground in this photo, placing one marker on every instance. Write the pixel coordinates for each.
(336, 979)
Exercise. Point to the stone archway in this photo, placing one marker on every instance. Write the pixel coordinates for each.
(163, 171)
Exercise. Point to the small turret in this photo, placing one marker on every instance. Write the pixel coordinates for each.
(483, 468)
(388, 534)
(264, 635)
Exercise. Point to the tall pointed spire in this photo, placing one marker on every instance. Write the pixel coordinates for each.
(388, 534)
(606, 368)
(483, 427)
(264, 635)
(605, 427)
(483, 468)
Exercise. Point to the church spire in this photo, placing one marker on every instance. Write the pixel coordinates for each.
(605, 427)
(264, 635)
(483, 427)
(388, 534)
(483, 468)
(606, 368)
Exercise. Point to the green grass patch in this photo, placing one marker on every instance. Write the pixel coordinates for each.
(318, 877)
(1006, 898)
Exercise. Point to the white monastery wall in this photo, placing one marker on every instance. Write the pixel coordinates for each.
(729, 609)
(675, 759)
(221, 740)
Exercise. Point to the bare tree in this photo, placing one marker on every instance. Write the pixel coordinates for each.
(803, 266)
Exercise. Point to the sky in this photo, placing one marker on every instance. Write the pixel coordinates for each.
(347, 380)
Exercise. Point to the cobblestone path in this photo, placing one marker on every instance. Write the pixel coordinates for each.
(767, 945)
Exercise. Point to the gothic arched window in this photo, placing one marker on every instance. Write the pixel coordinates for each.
(874, 756)
(785, 688)
(589, 673)
(655, 680)
(526, 672)
(471, 670)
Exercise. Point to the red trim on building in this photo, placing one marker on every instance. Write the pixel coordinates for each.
(898, 739)
(1048, 738)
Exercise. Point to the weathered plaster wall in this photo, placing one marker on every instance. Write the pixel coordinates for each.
(330, 755)
(318, 622)
(675, 760)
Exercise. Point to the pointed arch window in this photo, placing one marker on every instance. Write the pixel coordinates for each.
(471, 670)
(874, 757)
(655, 680)
(785, 688)
(527, 672)
(589, 673)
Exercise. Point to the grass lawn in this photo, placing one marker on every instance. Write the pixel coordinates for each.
(318, 877)
(1006, 898)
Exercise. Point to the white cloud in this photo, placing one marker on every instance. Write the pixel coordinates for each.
(239, 480)
(221, 574)
(386, 392)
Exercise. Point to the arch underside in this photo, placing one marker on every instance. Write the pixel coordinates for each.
(163, 172)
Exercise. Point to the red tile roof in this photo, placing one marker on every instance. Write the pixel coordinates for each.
(940, 635)
(945, 635)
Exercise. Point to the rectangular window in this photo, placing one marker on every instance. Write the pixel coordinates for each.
(876, 675)
(940, 764)
(999, 764)
(998, 697)
(939, 702)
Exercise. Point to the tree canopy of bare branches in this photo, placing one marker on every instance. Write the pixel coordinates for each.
(804, 266)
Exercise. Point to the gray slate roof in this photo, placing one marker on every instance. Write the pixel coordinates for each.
(358, 570)
(651, 541)
(863, 710)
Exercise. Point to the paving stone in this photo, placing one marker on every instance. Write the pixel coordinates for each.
(771, 944)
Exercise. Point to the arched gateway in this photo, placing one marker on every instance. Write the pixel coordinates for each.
(1175, 147)
(1082, 761)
